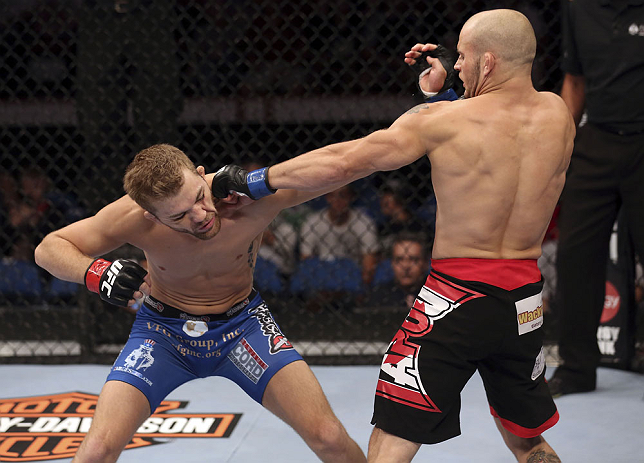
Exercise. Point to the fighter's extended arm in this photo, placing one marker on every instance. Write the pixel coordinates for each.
(411, 136)
(69, 254)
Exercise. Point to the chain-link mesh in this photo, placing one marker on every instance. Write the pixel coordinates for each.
(88, 83)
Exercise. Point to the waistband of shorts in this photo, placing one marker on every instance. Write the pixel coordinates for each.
(168, 311)
(507, 274)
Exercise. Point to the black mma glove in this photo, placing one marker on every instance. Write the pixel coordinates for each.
(116, 282)
(447, 59)
(233, 178)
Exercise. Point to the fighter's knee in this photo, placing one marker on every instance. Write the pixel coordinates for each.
(97, 450)
(521, 445)
(328, 436)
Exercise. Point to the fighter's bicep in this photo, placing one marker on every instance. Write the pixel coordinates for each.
(91, 236)
(110, 228)
(388, 149)
(413, 135)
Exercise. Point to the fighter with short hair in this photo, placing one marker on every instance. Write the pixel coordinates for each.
(200, 315)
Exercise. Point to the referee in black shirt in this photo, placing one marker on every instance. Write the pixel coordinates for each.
(603, 43)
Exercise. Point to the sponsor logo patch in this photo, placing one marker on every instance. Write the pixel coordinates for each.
(237, 307)
(51, 427)
(276, 340)
(529, 313)
(139, 359)
(400, 379)
(248, 361)
(195, 328)
(157, 305)
(539, 365)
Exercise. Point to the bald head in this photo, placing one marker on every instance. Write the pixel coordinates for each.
(507, 34)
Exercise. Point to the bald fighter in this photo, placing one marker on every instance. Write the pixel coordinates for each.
(201, 316)
(498, 159)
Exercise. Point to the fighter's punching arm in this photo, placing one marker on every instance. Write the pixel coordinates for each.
(435, 67)
(70, 254)
(573, 92)
(411, 136)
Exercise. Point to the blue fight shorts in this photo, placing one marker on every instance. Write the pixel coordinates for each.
(168, 347)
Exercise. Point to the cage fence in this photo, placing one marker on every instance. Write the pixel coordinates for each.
(88, 83)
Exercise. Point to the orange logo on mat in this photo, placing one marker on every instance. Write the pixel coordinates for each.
(51, 427)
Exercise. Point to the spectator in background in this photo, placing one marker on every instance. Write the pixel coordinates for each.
(394, 206)
(409, 262)
(604, 76)
(340, 231)
(128, 89)
(31, 208)
(36, 210)
(279, 243)
(9, 198)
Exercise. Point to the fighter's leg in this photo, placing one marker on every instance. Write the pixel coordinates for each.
(120, 410)
(294, 395)
(528, 450)
(387, 448)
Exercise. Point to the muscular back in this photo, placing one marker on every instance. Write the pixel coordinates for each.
(497, 180)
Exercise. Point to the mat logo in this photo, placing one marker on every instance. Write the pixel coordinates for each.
(52, 427)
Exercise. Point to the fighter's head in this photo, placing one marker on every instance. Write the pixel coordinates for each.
(494, 46)
(165, 183)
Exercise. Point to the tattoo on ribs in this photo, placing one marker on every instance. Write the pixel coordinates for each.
(540, 456)
(251, 261)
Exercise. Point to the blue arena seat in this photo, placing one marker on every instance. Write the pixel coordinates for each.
(384, 273)
(62, 289)
(267, 277)
(20, 280)
(314, 274)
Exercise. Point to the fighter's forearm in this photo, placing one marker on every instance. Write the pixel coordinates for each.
(321, 168)
(62, 259)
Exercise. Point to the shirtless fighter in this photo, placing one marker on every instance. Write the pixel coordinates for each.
(201, 316)
(499, 159)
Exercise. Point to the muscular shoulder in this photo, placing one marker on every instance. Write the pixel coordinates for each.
(555, 100)
(430, 111)
(558, 112)
(123, 217)
(430, 124)
(116, 224)
(124, 207)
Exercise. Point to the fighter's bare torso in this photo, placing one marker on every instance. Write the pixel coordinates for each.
(196, 275)
(201, 276)
(499, 178)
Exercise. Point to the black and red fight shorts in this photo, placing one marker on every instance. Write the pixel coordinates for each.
(471, 314)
